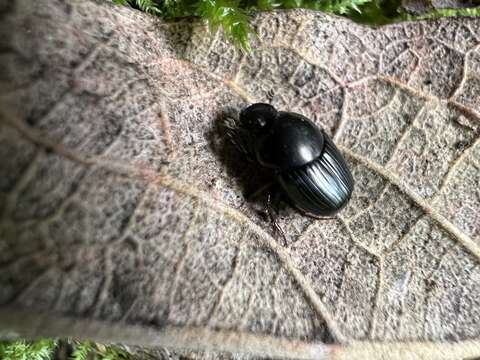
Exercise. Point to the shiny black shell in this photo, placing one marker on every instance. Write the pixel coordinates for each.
(306, 163)
(293, 141)
(321, 187)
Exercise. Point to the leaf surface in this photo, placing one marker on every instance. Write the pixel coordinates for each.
(124, 211)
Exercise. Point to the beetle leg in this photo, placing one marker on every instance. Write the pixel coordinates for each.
(257, 193)
(273, 219)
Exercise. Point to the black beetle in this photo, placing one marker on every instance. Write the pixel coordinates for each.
(306, 163)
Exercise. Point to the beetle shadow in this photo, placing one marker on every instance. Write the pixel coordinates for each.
(253, 181)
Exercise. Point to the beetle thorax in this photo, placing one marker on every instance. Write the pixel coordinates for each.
(292, 141)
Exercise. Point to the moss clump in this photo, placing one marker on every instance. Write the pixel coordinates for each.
(21, 350)
(45, 349)
(233, 15)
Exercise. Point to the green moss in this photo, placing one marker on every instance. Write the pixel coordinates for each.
(44, 349)
(233, 15)
(378, 12)
(21, 350)
(84, 350)
(433, 14)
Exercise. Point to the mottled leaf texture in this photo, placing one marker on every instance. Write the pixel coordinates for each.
(423, 6)
(125, 213)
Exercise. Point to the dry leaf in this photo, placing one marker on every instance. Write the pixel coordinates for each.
(123, 209)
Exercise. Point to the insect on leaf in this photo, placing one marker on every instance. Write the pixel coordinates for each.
(124, 207)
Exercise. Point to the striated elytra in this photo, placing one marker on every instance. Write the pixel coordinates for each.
(306, 163)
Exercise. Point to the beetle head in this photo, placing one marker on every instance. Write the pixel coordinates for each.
(255, 121)
(258, 118)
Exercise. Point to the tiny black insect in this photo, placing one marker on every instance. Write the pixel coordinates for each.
(306, 163)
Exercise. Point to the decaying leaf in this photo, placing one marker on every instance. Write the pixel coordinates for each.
(423, 6)
(124, 211)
